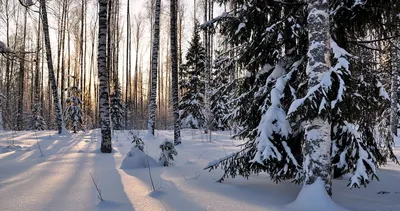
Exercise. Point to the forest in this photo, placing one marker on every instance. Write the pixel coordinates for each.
(303, 93)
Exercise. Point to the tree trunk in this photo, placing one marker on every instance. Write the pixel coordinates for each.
(153, 91)
(317, 144)
(37, 66)
(128, 65)
(82, 55)
(52, 79)
(174, 72)
(135, 83)
(104, 106)
(21, 83)
(394, 89)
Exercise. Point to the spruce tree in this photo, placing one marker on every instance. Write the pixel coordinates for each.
(73, 111)
(223, 67)
(117, 108)
(191, 106)
(273, 100)
(37, 121)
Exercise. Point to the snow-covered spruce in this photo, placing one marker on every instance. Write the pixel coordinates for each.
(37, 122)
(191, 105)
(358, 98)
(223, 67)
(168, 152)
(137, 141)
(73, 111)
(117, 108)
(250, 96)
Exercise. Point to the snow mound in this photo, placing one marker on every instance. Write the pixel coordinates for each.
(10, 148)
(396, 140)
(137, 159)
(314, 198)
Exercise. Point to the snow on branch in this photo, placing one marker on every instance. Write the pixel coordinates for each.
(341, 67)
(224, 15)
(382, 90)
(29, 3)
(273, 121)
(365, 164)
(4, 48)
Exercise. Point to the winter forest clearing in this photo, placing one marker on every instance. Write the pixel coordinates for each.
(61, 180)
(277, 105)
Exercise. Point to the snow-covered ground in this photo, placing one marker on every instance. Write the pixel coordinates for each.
(61, 179)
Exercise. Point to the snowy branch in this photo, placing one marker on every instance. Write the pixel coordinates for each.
(211, 22)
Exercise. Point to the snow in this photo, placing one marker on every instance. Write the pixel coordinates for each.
(240, 27)
(29, 3)
(4, 48)
(61, 179)
(137, 159)
(315, 192)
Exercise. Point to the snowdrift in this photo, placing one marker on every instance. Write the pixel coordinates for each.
(136, 159)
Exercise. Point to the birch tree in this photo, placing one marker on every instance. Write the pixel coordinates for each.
(394, 89)
(174, 71)
(154, 65)
(317, 143)
(22, 77)
(52, 79)
(104, 107)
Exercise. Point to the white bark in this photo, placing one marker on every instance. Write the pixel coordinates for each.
(317, 144)
(394, 88)
(174, 71)
(52, 79)
(154, 64)
(104, 106)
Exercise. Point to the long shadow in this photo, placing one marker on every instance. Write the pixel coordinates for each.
(101, 167)
(31, 159)
(33, 174)
(26, 159)
(166, 191)
(378, 195)
(109, 182)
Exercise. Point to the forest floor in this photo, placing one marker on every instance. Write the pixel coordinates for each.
(60, 179)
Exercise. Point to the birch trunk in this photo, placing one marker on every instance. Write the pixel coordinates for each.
(52, 79)
(128, 66)
(174, 71)
(317, 144)
(104, 106)
(20, 118)
(394, 89)
(153, 91)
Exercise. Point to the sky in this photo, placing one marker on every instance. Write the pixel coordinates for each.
(137, 7)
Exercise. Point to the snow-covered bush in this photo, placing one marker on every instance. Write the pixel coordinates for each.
(73, 111)
(168, 152)
(192, 84)
(117, 109)
(136, 158)
(137, 141)
(37, 122)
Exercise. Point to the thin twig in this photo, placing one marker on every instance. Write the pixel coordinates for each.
(200, 156)
(97, 188)
(148, 165)
(40, 148)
